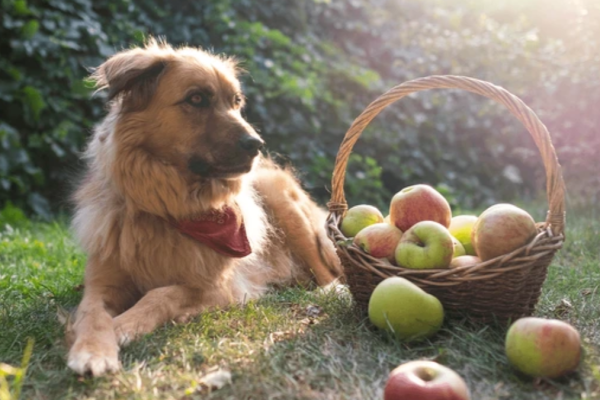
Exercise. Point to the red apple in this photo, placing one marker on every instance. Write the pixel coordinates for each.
(501, 229)
(419, 203)
(379, 240)
(425, 380)
(543, 347)
(464, 261)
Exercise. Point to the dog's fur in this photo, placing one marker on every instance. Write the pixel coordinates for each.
(169, 150)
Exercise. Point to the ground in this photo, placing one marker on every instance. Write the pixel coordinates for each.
(293, 344)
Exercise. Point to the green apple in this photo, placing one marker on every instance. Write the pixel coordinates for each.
(464, 261)
(502, 229)
(426, 245)
(459, 250)
(379, 240)
(419, 203)
(401, 307)
(543, 347)
(461, 227)
(359, 217)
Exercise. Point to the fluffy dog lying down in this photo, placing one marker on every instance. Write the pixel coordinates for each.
(178, 211)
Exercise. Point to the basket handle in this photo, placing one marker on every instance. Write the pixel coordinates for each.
(555, 186)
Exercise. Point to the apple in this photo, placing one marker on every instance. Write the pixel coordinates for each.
(379, 240)
(459, 250)
(425, 380)
(464, 261)
(501, 229)
(404, 309)
(419, 203)
(426, 245)
(359, 217)
(461, 227)
(541, 347)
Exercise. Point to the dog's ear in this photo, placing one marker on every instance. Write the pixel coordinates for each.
(134, 74)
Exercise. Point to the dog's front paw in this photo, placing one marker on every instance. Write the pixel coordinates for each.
(128, 329)
(94, 357)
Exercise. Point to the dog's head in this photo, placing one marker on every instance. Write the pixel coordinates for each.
(183, 107)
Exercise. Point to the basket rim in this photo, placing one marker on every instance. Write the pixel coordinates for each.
(555, 186)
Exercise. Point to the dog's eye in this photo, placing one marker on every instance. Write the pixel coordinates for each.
(198, 100)
(237, 99)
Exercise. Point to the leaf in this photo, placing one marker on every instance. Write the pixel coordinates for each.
(30, 29)
(34, 100)
(20, 8)
(40, 205)
(216, 380)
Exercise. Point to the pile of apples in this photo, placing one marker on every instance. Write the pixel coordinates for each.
(420, 233)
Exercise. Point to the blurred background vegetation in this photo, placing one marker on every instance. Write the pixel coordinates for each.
(313, 66)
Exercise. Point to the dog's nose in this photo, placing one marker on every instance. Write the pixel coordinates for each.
(251, 144)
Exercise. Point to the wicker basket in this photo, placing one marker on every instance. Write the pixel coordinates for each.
(500, 289)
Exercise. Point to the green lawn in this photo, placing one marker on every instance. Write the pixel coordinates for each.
(293, 344)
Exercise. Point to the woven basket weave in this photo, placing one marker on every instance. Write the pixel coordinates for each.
(500, 289)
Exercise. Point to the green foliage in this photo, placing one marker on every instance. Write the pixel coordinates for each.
(312, 67)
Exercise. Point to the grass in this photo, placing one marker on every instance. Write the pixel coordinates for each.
(292, 344)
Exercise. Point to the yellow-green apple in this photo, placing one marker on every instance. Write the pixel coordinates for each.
(379, 240)
(426, 245)
(459, 250)
(461, 227)
(543, 347)
(425, 380)
(401, 307)
(501, 229)
(359, 217)
(419, 203)
(464, 261)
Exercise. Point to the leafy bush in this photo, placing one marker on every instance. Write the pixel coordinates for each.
(313, 65)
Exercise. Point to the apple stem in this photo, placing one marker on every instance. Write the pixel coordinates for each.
(426, 374)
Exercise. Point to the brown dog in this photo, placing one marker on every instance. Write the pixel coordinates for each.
(178, 211)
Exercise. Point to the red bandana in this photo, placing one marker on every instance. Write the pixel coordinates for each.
(221, 230)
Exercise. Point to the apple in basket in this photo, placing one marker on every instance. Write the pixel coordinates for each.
(501, 229)
(461, 227)
(464, 261)
(543, 347)
(359, 217)
(379, 240)
(404, 309)
(459, 249)
(426, 245)
(427, 380)
(419, 203)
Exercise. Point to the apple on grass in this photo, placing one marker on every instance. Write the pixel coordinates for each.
(541, 347)
(425, 380)
(379, 240)
(426, 245)
(461, 227)
(419, 203)
(358, 218)
(502, 229)
(404, 309)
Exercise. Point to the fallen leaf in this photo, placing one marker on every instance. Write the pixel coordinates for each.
(216, 380)
(313, 311)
